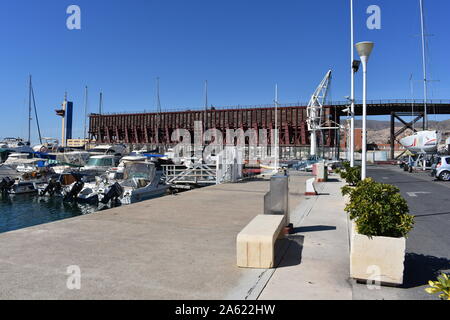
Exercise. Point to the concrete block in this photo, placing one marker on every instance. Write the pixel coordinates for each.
(310, 188)
(256, 242)
(377, 259)
(321, 172)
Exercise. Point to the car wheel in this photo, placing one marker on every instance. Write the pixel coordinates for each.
(445, 176)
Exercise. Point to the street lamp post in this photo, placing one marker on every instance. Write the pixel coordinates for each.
(352, 94)
(364, 50)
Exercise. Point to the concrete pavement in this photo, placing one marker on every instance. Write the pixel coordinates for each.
(175, 247)
(316, 266)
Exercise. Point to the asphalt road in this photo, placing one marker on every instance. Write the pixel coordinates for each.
(428, 244)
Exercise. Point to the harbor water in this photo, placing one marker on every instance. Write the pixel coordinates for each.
(17, 212)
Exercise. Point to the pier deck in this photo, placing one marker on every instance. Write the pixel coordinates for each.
(175, 247)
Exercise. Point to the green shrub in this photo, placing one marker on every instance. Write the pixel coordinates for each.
(441, 287)
(352, 175)
(379, 210)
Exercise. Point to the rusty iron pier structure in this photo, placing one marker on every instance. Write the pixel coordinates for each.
(156, 128)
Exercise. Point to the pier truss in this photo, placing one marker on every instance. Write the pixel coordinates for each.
(156, 128)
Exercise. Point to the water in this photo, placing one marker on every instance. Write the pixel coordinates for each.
(21, 211)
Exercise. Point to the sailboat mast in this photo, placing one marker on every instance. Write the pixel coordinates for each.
(277, 140)
(424, 62)
(158, 98)
(100, 104)
(29, 111)
(85, 110)
(35, 113)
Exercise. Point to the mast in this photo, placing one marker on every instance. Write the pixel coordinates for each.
(63, 123)
(85, 111)
(35, 112)
(424, 62)
(158, 99)
(100, 105)
(277, 141)
(29, 111)
(206, 95)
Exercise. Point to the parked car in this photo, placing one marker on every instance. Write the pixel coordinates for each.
(442, 169)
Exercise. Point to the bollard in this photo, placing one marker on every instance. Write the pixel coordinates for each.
(321, 172)
(310, 189)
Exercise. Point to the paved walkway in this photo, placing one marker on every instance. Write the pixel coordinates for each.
(175, 247)
(316, 266)
(183, 247)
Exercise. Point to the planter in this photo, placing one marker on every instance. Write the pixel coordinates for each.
(377, 259)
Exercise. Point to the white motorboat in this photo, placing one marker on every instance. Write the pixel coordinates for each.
(116, 149)
(138, 181)
(47, 145)
(15, 145)
(7, 171)
(99, 164)
(24, 187)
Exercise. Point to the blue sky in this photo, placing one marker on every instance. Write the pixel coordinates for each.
(241, 47)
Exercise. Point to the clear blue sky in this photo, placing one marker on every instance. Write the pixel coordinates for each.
(241, 47)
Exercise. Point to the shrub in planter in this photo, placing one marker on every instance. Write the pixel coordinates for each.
(382, 223)
(352, 175)
(379, 210)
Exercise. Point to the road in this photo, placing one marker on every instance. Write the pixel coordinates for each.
(428, 244)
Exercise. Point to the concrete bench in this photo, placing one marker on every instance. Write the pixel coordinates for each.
(256, 242)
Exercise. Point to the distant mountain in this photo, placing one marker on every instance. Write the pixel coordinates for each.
(380, 125)
(379, 131)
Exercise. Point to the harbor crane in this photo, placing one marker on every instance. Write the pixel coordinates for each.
(317, 120)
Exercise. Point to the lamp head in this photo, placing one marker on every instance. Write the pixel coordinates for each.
(365, 49)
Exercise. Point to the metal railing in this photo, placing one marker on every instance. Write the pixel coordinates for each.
(287, 105)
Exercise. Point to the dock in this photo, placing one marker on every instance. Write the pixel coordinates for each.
(175, 247)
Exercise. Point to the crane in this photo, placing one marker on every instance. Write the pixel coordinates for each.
(316, 119)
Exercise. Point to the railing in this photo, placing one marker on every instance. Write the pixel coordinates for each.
(198, 174)
(287, 105)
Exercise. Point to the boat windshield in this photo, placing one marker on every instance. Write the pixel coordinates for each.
(100, 162)
(144, 171)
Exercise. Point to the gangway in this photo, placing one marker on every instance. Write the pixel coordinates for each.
(199, 174)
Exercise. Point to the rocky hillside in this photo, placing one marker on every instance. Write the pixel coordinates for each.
(379, 131)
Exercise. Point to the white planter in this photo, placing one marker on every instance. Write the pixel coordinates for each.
(377, 259)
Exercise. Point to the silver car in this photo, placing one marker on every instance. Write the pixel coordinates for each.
(442, 169)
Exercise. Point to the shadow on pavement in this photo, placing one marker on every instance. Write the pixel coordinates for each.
(289, 251)
(419, 269)
(431, 214)
(313, 229)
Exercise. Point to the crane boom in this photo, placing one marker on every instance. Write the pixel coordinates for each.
(316, 120)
